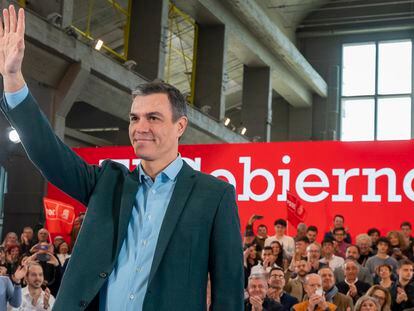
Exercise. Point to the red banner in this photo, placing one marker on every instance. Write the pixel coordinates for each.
(369, 183)
(59, 218)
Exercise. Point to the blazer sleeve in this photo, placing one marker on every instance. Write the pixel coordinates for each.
(226, 256)
(56, 161)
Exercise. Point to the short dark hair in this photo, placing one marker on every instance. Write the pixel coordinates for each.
(405, 224)
(356, 246)
(405, 262)
(373, 230)
(327, 240)
(312, 228)
(175, 97)
(340, 216)
(267, 248)
(339, 229)
(383, 239)
(262, 226)
(303, 239)
(281, 222)
(274, 268)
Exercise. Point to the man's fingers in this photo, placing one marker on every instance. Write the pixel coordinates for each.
(21, 22)
(12, 13)
(6, 21)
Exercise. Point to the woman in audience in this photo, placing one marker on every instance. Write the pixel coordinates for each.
(382, 295)
(12, 258)
(399, 247)
(278, 251)
(10, 239)
(63, 253)
(384, 273)
(367, 303)
(250, 259)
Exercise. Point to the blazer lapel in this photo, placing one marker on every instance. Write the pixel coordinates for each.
(182, 190)
(129, 193)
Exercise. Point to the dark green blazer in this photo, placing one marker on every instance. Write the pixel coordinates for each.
(200, 232)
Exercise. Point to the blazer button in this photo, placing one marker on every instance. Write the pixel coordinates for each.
(83, 304)
(103, 275)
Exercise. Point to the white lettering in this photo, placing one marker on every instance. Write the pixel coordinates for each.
(301, 184)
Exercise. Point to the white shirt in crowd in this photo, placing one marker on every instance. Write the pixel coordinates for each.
(334, 263)
(288, 243)
(27, 302)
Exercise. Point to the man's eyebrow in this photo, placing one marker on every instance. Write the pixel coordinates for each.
(148, 114)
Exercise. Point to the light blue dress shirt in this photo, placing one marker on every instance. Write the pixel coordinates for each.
(127, 284)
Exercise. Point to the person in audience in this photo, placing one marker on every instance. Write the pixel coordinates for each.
(402, 292)
(300, 231)
(276, 284)
(269, 258)
(374, 234)
(287, 242)
(278, 251)
(248, 239)
(313, 255)
(332, 293)
(382, 257)
(340, 244)
(10, 287)
(300, 251)
(12, 258)
(63, 253)
(250, 259)
(367, 303)
(382, 295)
(315, 299)
(56, 242)
(352, 252)
(312, 234)
(33, 296)
(26, 240)
(257, 301)
(364, 242)
(294, 287)
(406, 229)
(398, 245)
(338, 222)
(261, 236)
(42, 237)
(329, 258)
(384, 276)
(10, 239)
(351, 286)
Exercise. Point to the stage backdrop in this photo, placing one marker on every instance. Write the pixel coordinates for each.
(369, 183)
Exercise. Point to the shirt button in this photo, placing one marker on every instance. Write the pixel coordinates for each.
(149, 217)
(153, 191)
(144, 242)
(131, 297)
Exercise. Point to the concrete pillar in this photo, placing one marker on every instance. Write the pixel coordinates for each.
(147, 37)
(257, 102)
(333, 107)
(211, 50)
(280, 119)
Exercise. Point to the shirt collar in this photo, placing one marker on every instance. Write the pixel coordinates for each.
(170, 172)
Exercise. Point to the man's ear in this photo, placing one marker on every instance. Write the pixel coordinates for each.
(182, 124)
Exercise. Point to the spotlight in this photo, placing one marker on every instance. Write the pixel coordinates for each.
(13, 136)
(98, 44)
(242, 130)
(226, 121)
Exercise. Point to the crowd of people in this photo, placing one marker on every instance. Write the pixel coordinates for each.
(372, 273)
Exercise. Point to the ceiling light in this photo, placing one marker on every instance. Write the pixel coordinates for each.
(98, 44)
(226, 121)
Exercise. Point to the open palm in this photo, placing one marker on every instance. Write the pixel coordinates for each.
(11, 41)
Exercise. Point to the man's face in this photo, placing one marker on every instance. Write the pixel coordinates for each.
(405, 273)
(350, 270)
(311, 235)
(301, 247)
(328, 279)
(338, 222)
(352, 253)
(339, 235)
(314, 282)
(277, 279)
(152, 132)
(406, 230)
(280, 230)
(328, 249)
(382, 248)
(262, 231)
(28, 233)
(35, 276)
(313, 252)
(301, 268)
(257, 287)
(42, 235)
(269, 256)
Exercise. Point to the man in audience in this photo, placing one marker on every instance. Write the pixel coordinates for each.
(26, 240)
(374, 234)
(300, 231)
(312, 233)
(332, 293)
(276, 284)
(300, 251)
(364, 242)
(257, 301)
(341, 245)
(329, 258)
(313, 254)
(338, 222)
(352, 252)
(261, 236)
(295, 286)
(42, 237)
(402, 292)
(316, 300)
(381, 257)
(269, 258)
(351, 286)
(33, 297)
(407, 230)
(287, 242)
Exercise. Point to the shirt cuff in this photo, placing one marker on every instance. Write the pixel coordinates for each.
(15, 98)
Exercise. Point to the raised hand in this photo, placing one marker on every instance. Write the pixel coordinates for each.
(20, 273)
(12, 48)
